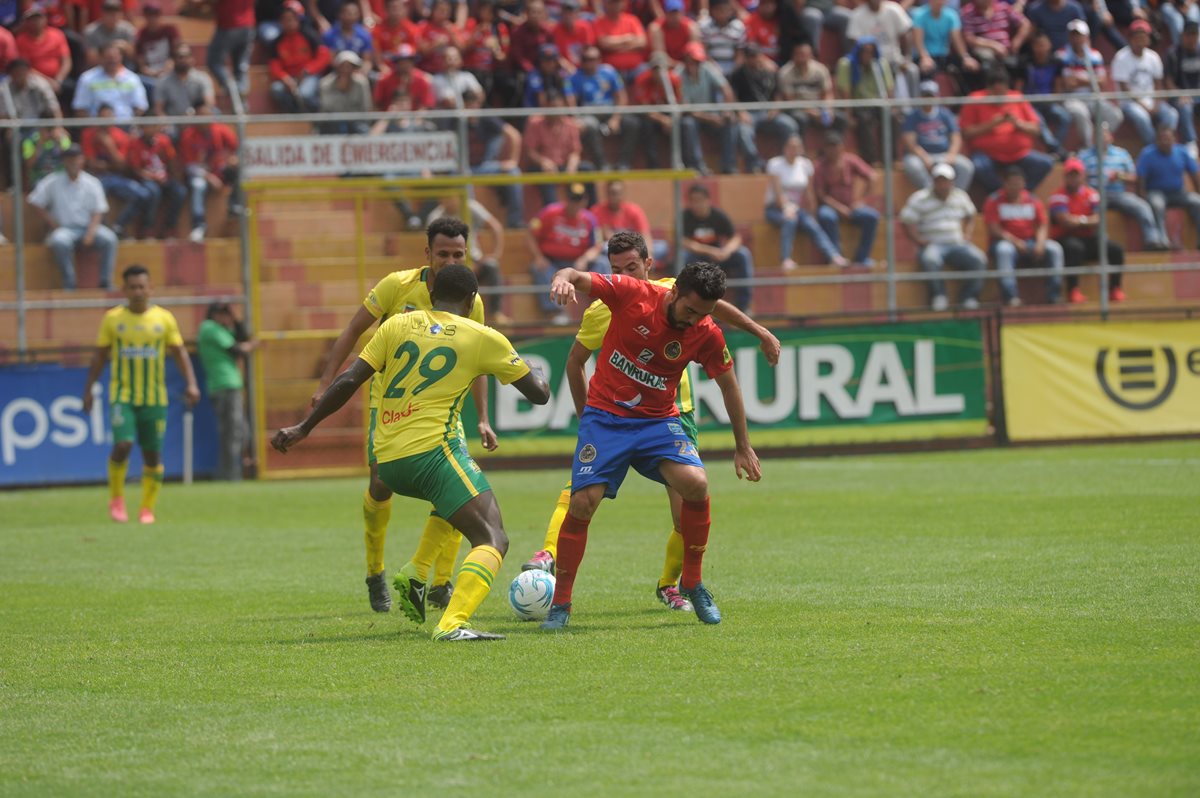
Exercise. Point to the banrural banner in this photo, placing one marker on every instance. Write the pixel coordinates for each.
(396, 153)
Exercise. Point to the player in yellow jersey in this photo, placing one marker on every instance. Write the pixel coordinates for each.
(428, 360)
(629, 255)
(401, 292)
(136, 337)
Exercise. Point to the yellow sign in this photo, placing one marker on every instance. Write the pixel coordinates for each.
(1101, 380)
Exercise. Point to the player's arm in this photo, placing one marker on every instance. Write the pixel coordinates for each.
(99, 358)
(729, 314)
(566, 282)
(744, 458)
(338, 393)
(341, 349)
(577, 381)
(191, 394)
(479, 393)
(534, 387)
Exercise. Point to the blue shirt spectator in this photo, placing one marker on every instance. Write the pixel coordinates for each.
(1163, 171)
(537, 82)
(598, 89)
(937, 29)
(1052, 16)
(933, 129)
(357, 41)
(1117, 160)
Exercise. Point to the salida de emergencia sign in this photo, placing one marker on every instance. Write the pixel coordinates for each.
(396, 153)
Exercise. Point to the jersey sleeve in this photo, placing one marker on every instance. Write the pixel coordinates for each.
(714, 356)
(594, 325)
(171, 332)
(375, 353)
(616, 288)
(498, 357)
(383, 295)
(105, 336)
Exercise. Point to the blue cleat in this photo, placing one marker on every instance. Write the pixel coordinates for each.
(702, 603)
(559, 615)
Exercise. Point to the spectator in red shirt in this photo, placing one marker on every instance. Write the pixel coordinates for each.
(1019, 228)
(106, 148)
(435, 34)
(8, 48)
(651, 88)
(395, 29)
(298, 60)
(1003, 134)
(553, 144)
(1075, 215)
(573, 34)
(842, 183)
(233, 39)
(621, 38)
(528, 38)
(616, 213)
(673, 32)
(563, 235)
(405, 79)
(153, 47)
(45, 49)
(485, 44)
(151, 159)
(762, 28)
(209, 155)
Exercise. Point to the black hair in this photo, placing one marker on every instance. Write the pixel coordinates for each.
(626, 240)
(699, 188)
(134, 271)
(454, 283)
(1014, 171)
(704, 279)
(216, 307)
(448, 226)
(999, 74)
(16, 63)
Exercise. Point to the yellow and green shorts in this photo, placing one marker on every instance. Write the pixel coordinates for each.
(447, 477)
(144, 424)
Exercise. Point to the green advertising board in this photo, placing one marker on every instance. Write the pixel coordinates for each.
(832, 385)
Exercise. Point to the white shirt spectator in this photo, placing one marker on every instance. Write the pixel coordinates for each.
(357, 99)
(71, 203)
(1139, 72)
(793, 178)
(450, 88)
(888, 26)
(938, 221)
(123, 91)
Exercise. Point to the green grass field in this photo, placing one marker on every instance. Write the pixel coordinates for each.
(1019, 622)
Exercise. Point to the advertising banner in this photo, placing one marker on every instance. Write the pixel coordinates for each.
(1101, 380)
(395, 153)
(46, 438)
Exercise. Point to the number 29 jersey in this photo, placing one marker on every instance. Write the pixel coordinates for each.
(427, 361)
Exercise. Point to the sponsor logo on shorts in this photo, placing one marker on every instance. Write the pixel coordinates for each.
(646, 356)
(587, 454)
(674, 428)
(638, 375)
(673, 350)
(585, 469)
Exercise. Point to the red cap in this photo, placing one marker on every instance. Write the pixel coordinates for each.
(1073, 165)
(1140, 25)
(695, 51)
(295, 6)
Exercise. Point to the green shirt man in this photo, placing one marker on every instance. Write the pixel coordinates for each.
(221, 351)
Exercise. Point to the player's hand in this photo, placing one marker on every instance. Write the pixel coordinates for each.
(287, 437)
(191, 395)
(770, 347)
(747, 461)
(316, 397)
(562, 291)
(87, 400)
(487, 436)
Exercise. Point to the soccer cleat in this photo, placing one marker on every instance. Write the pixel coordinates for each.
(670, 596)
(146, 516)
(464, 634)
(410, 592)
(439, 595)
(558, 617)
(116, 510)
(702, 603)
(541, 561)
(378, 593)
(1116, 294)
(1076, 297)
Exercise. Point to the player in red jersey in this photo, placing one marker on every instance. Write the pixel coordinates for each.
(631, 418)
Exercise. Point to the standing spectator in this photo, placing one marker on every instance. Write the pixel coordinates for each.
(994, 32)
(598, 84)
(350, 35)
(805, 78)
(528, 38)
(113, 85)
(1118, 170)
(487, 264)
(1041, 77)
(1074, 218)
(184, 86)
(673, 32)
(222, 344)
(938, 40)
(1139, 70)
(1082, 74)
(563, 235)
(494, 148)
(209, 155)
(154, 46)
(72, 205)
(297, 62)
(110, 28)
(485, 44)
(1019, 228)
(657, 86)
(553, 145)
(549, 75)
(722, 33)
(573, 34)
(345, 90)
(790, 204)
(1183, 72)
(621, 39)
(939, 220)
(152, 160)
(616, 213)
(708, 233)
(46, 50)
(754, 82)
(863, 75)
(702, 82)
(32, 94)
(762, 28)
(1003, 134)
(930, 137)
(842, 183)
(1160, 170)
(435, 34)
(106, 149)
(1053, 17)
(889, 24)
(233, 39)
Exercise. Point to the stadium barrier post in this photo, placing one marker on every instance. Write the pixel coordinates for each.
(1098, 144)
(677, 263)
(16, 165)
(889, 208)
(249, 311)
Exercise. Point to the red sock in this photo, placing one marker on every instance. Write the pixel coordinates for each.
(695, 522)
(572, 540)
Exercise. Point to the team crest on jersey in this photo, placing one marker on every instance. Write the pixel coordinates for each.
(435, 329)
(673, 350)
(587, 454)
(645, 356)
(121, 328)
(642, 330)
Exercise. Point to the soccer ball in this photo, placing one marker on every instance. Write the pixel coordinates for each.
(530, 595)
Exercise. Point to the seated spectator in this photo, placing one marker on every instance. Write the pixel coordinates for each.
(1082, 73)
(801, 22)
(151, 159)
(453, 82)
(553, 145)
(723, 35)
(110, 28)
(153, 48)
(487, 264)
(1041, 77)
(350, 35)
(393, 30)
(1019, 229)
(621, 39)
(1160, 170)
(209, 155)
(862, 75)
(42, 151)
(183, 87)
(297, 62)
(1138, 69)
(494, 148)
(805, 78)
(1119, 170)
(46, 49)
(485, 44)
(527, 40)
(701, 81)
(106, 149)
(709, 234)
(598, 84)
(573, 34)
(435, 34)
(113, 85)
(939, 220)
(548, 76)
(658, 86)
(563, 235)
(938, 40)
(345, 90)
(841, 184)
(673, 32)
(615, 213)
(1182, 71)
(1003, 134)
(404, 78)
(1074, 218)
(232, 41)
(32, 94)
(994, 32)
(791, 204)
(72, 205)
(754, 82)
(1052, 18)
(889, 25)
(762, 28)
(930, 137)
(1175, 15)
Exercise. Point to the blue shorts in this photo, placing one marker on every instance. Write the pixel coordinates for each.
(608, 445)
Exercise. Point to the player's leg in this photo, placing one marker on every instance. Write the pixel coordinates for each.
(377, 511)
(543, 560)
(124, 431)
(667, 589)
(572, 542)
(442, 588)
(151, 427)
(691, 482)
(412, 577)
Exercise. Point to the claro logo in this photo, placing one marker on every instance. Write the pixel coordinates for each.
(1141, 378)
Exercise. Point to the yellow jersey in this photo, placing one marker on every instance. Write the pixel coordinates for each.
(594, 326)
(138, 344)
(427, 361)
(401, 292)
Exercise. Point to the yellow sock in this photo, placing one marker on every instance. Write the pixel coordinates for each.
(151, 481)
(474, 582)
(556, 520)
(443, 567)
(375, 519)
(673, 564)
(436, 535)
(116, 478)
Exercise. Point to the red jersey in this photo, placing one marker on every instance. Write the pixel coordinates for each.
(628, 217)
(420, 90)
(1003, 143)
(1084, 202)
(208, 148)
(763, 32)
(624, 25)
(298, 52)
(643, 356)
(648, 89)
(234, 14)
(152, 157)
(433, 38)
(476, 54)
(46, 53)
(571, 43)
(560, 237)
(388, 37)
(1021, 218)
(98, 157)
(676, 38)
